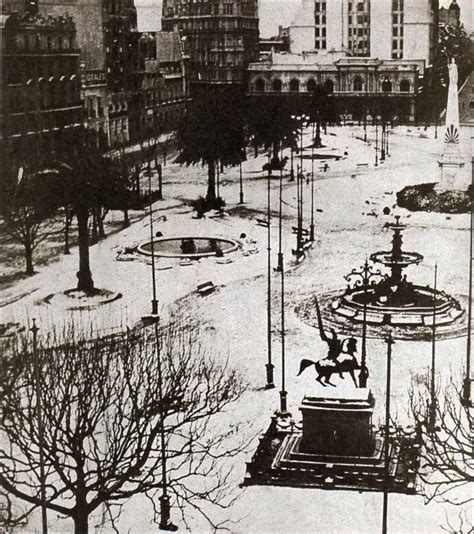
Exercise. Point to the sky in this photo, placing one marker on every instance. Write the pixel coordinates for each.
(272, 13)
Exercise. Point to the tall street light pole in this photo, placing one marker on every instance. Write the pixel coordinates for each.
(283, 393)
(467, 378)
(376, 141)
(279, 267)
(241, 192)
(364, 277)
(154, 302)
(432, 418)
(389, 341)
(269, 365)
(311, 228)
(39, 414)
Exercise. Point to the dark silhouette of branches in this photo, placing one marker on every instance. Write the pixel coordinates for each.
(447, 458)
(102, 415)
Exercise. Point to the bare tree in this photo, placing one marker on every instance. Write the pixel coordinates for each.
(447, 458)
(25, 211)
(103, 413)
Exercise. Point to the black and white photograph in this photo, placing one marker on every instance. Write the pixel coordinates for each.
(236, 266)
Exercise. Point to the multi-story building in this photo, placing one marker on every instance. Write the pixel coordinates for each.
(41, 106)
(106, 35)
(160, 103)
(369, 55)
(220, 37)
(383, 29)
(358, 86)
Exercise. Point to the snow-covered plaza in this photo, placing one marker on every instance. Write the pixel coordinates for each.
(351, 197)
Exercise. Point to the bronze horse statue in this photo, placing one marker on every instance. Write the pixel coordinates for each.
(325, 368)
(340, 358)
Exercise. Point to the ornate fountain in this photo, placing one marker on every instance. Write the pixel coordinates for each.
(390, 299)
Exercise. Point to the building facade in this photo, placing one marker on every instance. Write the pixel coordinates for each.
(160, 104)
(383, 29)
(41, 105)
(359, 86)
(220, 37)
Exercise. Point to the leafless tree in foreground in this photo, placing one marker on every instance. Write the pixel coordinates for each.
(102, 414)
(447, 459)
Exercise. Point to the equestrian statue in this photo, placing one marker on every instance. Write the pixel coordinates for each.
(339, 359)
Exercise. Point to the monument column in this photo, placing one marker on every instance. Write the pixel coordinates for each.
(452, 161)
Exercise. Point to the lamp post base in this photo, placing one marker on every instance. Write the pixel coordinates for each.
(363, 376)
(241, 201)
(154, 307)
(270, 383)
(283, 411)
(311, 232)
(466, 399)
(279, 267)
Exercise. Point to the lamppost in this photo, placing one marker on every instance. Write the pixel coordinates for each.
(466, 397)
(283, 393)
(279, 267)
(376, 141)
(432, 413)
(382, 150)
(39, 414)
(269, 366)
(364, 278)
(389, 341)
(241, 192)
(311, 227)
(302, 120)
(154, 302)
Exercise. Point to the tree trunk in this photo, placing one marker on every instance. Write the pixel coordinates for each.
(84, 276)
(29, 259)
(95, 233)
(66, 231)
(81, 523)
(317, 140)
(211, 183)
(100, 222)
(126, 219)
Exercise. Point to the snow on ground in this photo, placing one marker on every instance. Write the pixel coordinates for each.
(349, 225)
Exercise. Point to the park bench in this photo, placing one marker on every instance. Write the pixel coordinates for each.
(206, 288)
(362, 165)
(304, 231)
(262, 222)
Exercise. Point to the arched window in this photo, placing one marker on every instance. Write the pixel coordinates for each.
(260, 85)
(276, 85)
(294, 85)
(329, 86)
(404, 86)
(387, 86)
(357, 83)
(311, 85)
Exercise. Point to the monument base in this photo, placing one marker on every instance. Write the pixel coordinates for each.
(319, 451)
(451, 173)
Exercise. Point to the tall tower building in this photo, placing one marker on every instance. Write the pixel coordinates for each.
(383, 29)
(220, 38)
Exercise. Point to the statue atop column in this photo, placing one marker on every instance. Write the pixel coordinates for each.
(452, 161)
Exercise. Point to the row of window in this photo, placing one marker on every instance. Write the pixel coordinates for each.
(311, 85)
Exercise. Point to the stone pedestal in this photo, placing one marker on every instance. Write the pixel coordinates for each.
(337, 425)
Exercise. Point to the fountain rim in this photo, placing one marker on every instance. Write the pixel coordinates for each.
(235, 245)
(447, 302)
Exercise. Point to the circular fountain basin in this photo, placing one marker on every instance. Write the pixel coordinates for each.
(418, 312)
(172, 247)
